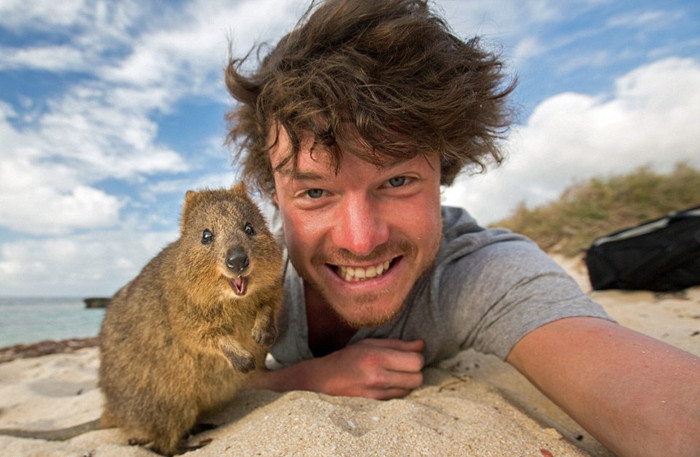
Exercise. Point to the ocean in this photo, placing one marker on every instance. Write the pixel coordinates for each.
(29, 320)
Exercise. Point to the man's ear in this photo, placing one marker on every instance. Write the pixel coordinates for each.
(275, 199)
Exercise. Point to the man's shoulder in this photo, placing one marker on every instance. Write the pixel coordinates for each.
(462, 235)
(472, 256)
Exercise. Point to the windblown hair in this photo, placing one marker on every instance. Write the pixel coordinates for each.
(382, 79)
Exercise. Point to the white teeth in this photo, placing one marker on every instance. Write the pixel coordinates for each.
(371, 272)
(351, 274)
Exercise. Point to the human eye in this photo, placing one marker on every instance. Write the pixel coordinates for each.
(314, 193)
(401, 185)
(311, 197)
(397, 181)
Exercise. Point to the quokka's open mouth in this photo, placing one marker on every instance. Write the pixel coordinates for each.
(239, 285)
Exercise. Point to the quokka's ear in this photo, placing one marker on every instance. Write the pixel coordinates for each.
(240, 187)
(190, 197)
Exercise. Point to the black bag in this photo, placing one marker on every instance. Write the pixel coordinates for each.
(662, 255)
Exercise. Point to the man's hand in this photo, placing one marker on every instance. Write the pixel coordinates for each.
(372, 368)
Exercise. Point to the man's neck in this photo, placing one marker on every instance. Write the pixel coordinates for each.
(327, 331)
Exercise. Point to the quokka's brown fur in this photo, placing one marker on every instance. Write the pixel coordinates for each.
(182, 337)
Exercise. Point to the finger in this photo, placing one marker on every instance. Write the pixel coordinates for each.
(388, 378)
(398, 385)
(388, 394)
(396, 355)
(402, 361)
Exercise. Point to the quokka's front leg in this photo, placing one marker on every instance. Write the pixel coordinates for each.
(264, 329)
(240, 358)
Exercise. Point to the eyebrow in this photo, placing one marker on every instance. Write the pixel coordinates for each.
(301, 175)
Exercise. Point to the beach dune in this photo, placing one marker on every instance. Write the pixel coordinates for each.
(452, 414)
(471, 405)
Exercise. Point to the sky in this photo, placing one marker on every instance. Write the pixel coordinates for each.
(110, 110)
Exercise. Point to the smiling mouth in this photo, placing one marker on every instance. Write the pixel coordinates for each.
(355, 274)
(239, 285)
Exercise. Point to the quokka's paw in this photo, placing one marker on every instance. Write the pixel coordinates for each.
(265, 336)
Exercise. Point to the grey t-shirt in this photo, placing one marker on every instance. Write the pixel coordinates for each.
(486, 290)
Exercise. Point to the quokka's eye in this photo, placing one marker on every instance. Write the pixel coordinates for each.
(248, 229)
(207, 236)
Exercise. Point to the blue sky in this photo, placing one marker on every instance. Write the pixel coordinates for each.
(111, 110)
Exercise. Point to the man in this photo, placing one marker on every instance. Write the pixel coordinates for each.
(350, 125)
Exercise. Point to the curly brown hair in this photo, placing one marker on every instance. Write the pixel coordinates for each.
(382, 79)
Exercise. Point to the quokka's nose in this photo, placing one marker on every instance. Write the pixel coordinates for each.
(237, 260)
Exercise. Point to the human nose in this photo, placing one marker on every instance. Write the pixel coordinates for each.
(360, 225)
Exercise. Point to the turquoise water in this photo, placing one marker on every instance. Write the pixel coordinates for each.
(28, 320)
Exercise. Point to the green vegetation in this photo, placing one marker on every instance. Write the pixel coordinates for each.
(593, 208)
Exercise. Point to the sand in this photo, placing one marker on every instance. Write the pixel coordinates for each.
(471, 405)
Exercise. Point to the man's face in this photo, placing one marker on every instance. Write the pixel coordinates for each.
(360, 237)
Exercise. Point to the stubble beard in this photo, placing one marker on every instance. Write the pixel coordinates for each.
(372, 316)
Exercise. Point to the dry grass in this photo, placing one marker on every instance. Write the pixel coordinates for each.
(593, 208)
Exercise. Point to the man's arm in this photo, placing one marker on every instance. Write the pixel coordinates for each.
(636, 395)
(373, 368)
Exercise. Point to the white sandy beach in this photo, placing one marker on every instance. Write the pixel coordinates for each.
(472, 405)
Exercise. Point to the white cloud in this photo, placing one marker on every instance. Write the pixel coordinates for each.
(45, 197)
(650, 119)
(37, 14)
(529, 46)
(95, 263)
(504, 18)
(179, 186)
(86, 31)
(188, 52)
(45, 210)
(104, 126)
(50, 58)
(48, 168)
(98, 139)
(593, 59)
(649, 19)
